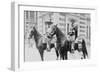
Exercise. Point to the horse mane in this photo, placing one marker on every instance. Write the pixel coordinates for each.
(36, 31)
(60, 32)
(37, 35)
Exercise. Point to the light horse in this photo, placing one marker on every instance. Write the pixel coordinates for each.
(40, 45)
(80, 45)
(62, 43)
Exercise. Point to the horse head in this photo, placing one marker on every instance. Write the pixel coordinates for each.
(52, 31)
(32, 32)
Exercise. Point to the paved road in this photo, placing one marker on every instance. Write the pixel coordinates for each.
(32, 54)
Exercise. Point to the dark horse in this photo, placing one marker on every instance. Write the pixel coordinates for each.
(40, 45)
(62, 43)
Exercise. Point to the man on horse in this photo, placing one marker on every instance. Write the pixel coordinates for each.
(73, 35)
(48, 39)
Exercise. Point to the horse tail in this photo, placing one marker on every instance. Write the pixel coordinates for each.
(85, 51)
(84, 47)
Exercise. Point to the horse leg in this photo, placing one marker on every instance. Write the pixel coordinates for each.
(66, 55)
(61, 56)
(41, 54)
(57, 54)
(84, 55)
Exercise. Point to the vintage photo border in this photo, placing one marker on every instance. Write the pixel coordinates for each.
(15, 50)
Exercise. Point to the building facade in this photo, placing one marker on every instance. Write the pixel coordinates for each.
(38, 18)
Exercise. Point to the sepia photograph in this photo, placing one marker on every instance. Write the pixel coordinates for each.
(53, 36)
